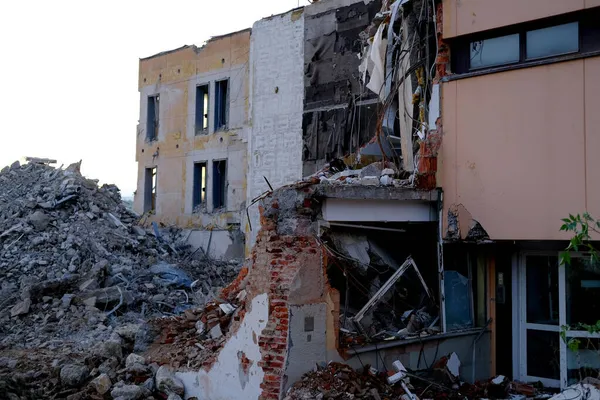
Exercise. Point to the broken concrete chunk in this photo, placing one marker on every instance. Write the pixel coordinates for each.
(174, 396)
(134, 359)
(73, 375)
(370, 181)
(227, 308)
(453, 365)
(216, 332)
(127, 392)
(386, 180)
(39, 220)
(200, 327)
(388, 172)
(116, 222)
(102, 384)
(167, 382)
(20, 308)
(108, 349)
(139, 231)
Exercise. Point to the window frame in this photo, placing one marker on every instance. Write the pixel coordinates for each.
(200, 130)
(588, 44)
(197, 184)
(156, 120)
(221, 185)
(217, 107)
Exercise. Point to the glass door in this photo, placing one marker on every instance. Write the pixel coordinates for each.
(540, 319)
(558, 307)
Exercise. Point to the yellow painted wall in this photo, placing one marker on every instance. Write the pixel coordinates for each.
(174, 75)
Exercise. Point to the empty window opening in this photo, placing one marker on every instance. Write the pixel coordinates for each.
(150, 189)
(199, 197)
(152, 118)
(201, 109)
(221, 104)
(219, 183)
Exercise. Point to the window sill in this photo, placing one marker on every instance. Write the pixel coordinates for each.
(406, 342)
(527, 64)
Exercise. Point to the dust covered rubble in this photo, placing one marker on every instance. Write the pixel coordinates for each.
(75, 268)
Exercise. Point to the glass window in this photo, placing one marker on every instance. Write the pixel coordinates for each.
(553, 41)
(583, 360)
(542, 290)
(543, 354)
(496, 51)
(583, 291)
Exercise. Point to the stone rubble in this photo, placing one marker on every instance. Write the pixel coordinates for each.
(85, 290)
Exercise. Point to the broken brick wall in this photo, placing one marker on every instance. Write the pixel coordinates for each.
(288, 264)
(428, 176)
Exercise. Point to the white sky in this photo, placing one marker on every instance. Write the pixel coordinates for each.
(70, 69)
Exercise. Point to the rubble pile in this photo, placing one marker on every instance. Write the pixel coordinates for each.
(77, 273)
(192, 340)
(375, 174)
(340, 381)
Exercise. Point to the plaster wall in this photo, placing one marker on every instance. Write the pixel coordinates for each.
(276, 90)
(462, 17)
(519, 148)
(174, 76)
(227, 378)
(217, 244)
(308, 340)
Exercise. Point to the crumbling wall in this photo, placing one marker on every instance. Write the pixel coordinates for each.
(333, 124)
(174, 75)
(236, 374)
(285, 328)
(276, 87)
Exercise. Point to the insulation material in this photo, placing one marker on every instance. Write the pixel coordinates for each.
(377, 58)
(335, 123)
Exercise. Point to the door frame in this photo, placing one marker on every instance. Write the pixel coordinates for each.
(520, 324)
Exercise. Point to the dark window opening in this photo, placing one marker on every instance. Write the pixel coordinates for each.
(199, 196)
(219, 183)
(201, 109)
(221, 104)
(150, 189)
(152, 118)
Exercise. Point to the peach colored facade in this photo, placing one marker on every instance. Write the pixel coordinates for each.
(520, 148)
(462, 17)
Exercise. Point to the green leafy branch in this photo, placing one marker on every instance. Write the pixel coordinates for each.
(574, 343)
(581, 226)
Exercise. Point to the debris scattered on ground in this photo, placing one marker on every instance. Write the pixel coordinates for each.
(340, 381)
(375, 174)
(79, 279)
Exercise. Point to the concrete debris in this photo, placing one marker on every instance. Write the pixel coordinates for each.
(127, 392)
(73, 375)
(167, 382)
(374, 174)
(79, 278)
(340, 381)
(579, 391)
(101, 384)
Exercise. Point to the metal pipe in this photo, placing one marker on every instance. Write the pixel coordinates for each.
(375, 228)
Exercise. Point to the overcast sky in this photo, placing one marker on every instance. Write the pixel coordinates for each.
(70, 68)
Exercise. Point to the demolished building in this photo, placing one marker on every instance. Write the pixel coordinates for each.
(192, 142)
(405, 186)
